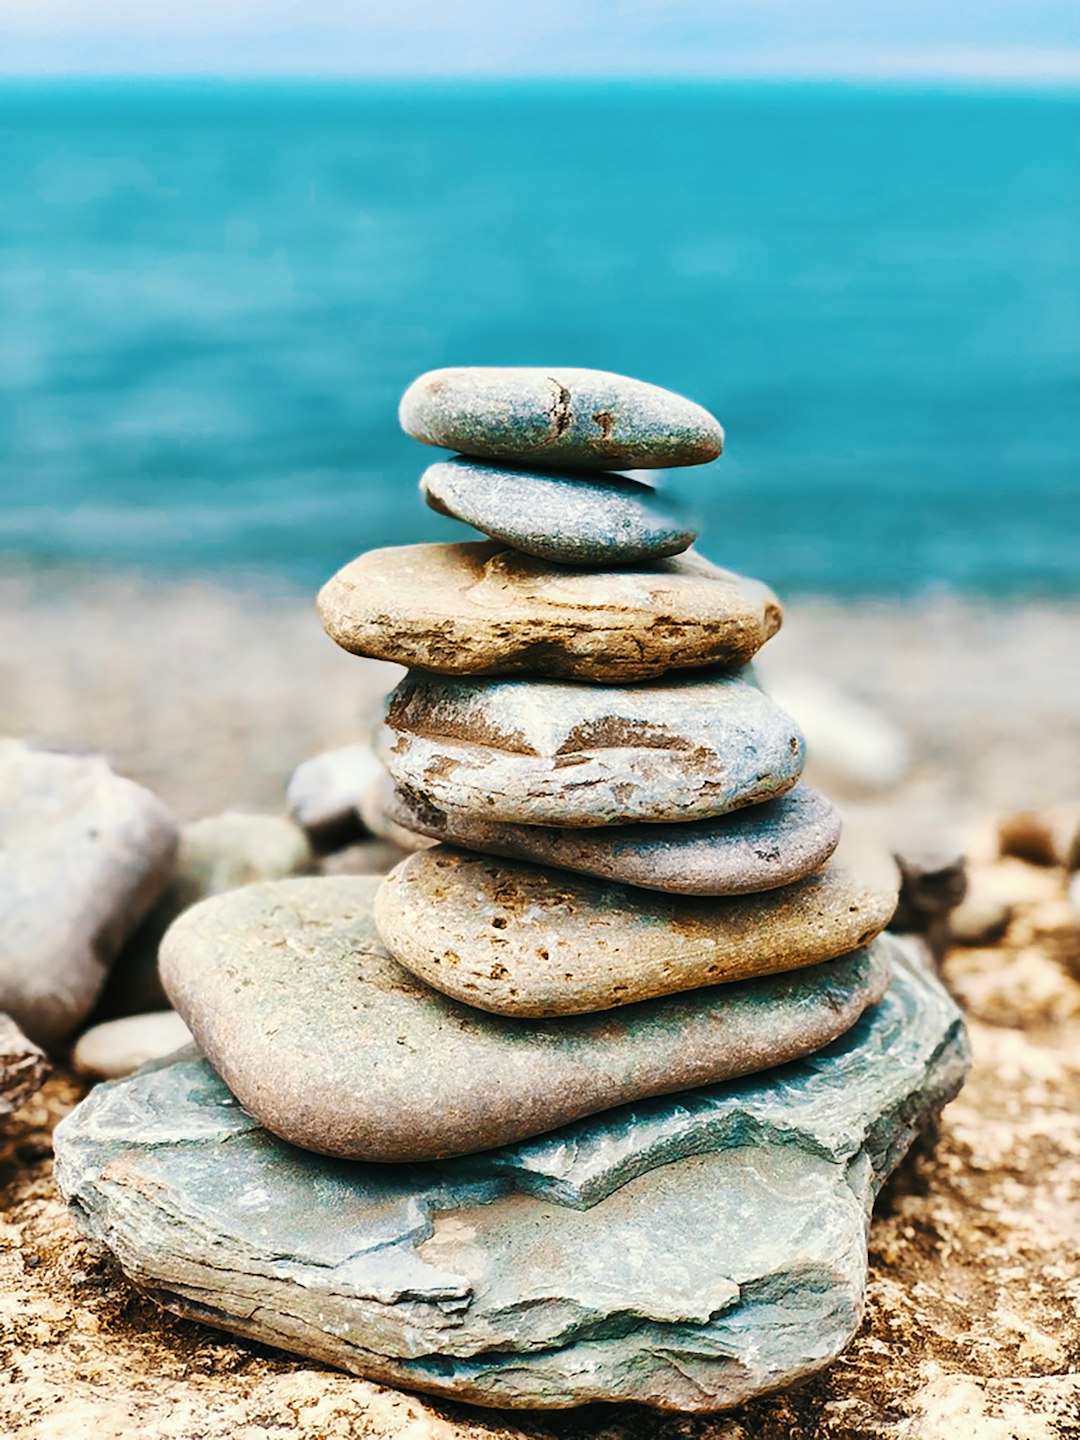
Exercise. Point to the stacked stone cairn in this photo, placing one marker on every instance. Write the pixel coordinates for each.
(591, 1099)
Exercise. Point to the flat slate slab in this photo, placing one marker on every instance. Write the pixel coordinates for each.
(687, 1253)
(527, 940)
(744, 852)
(479, 608)
(542, 752)
(570, 519)
(332, 1045)
(591, 419)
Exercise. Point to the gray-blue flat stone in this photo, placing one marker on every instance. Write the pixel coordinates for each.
(332, 1045)
(590, 419)
(544, 752)
(568, 519)
(688, 1253)
(758, 848)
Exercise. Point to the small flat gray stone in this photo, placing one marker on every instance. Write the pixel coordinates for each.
(324, 795)
(748, 850)
(688, 1253)
(332, 1045)
(568, 519)
(536, 752)
(588, 419)
(217, 853)
(83, 856)
(481, 609)
(518, 939)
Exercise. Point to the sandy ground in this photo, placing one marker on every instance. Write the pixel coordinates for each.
(972, 1325)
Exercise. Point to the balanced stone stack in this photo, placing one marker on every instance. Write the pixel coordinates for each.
(634, 1011)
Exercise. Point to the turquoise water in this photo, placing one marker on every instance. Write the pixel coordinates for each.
(213, 295)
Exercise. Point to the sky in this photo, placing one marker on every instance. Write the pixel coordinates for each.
(966, 40)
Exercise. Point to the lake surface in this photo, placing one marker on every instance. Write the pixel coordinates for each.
(213, 295)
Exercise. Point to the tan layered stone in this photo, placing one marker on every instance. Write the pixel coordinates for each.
(482, 609)
(516, 939)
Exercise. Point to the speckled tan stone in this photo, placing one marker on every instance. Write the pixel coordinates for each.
(480, 608)
(516, 939)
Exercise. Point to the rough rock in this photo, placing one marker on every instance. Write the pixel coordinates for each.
(23, 1067)
(331, 1045)
(83, 856)
(217, 853)
(933, 881)
(688, 1253)
(379, 813)
(516, 939)
(481, 609)
(590, 419)
(565, 518)
(324, 794)
(539, 752)
(117, 1047)
(758, 848)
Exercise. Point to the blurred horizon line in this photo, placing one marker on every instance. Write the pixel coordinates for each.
(1064, 84)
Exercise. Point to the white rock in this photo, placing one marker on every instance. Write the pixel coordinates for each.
(118, 1047)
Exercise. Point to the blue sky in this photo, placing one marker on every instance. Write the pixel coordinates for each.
(971, 40)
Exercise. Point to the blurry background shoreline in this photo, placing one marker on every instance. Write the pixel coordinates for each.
(215, 291)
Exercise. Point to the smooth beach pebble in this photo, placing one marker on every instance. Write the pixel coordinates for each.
(568, 519)
(481, 609)
(517, 939)
(544, 752)
(330, 1044)
(117, 1047)
(573, 417)
(84, 853)
(749, 850)
(324, 795)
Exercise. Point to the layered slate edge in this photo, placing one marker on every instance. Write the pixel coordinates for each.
(687, 1252)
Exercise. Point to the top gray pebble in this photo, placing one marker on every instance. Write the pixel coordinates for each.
(588, 419)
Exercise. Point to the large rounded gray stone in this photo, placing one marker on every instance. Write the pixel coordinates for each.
(332, 1045)
(481, 609)
(83, 856)
(517, 939)
(758, 848)
(590, 419)
(536, 752)
(568, 519)
(688, 1252)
